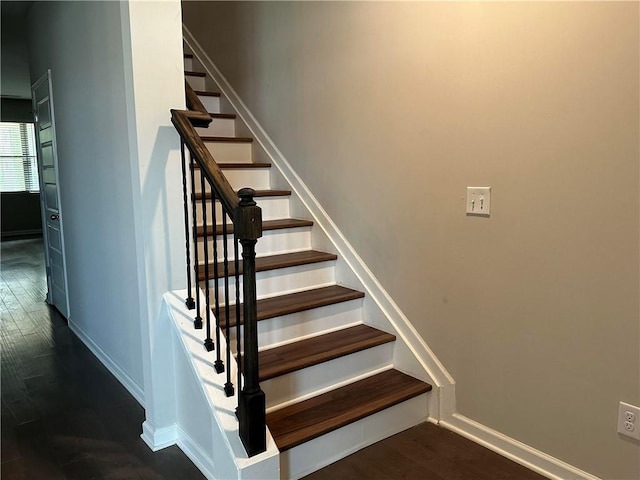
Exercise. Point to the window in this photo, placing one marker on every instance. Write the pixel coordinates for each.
(18, 161)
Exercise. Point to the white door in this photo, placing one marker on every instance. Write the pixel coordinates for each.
(41, 94)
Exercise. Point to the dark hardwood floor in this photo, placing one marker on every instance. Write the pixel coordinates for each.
(425, 452)
(64, 416)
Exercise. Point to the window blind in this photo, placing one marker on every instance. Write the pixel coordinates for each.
(18, 160)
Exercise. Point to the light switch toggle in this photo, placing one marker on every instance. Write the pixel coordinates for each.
(479, 201)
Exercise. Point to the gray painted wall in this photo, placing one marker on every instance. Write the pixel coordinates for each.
(20, 214)
(15, 81)
(388, 110)
(16, 110)
(117, 70)
(82, 44)
(20, 211)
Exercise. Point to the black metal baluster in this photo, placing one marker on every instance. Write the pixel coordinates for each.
(208, 342)
(238, 323)
(218, 365)
(189, 302)
(228, 386)
(197, 322)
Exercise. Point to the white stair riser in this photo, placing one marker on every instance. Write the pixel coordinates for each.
(286, 328)
(271, 242)
(257, 178)
(305, 382)
(280, 280)
(188, 64)
(197, 83)
(211, 104)
(272, 209)
(229, 152)
(322, 451)
(219, 127)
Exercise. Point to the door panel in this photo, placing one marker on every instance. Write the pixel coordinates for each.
(50, 195)
(47, 156)
(44, 113)
(45, 135)
(55, 240)
(48, 175)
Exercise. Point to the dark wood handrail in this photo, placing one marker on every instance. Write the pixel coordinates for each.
(194, 104)
(183, 121)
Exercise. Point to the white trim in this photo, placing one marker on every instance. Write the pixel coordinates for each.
(199, 458)
(404, 329)
(514, 450)
(159, 438)
(108, 362)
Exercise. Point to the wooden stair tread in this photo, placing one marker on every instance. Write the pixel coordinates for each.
(227, 139)
(273, 262)
(259, 194)
(194, 74)
(240, 165)
(295, 302)
(312, 351)
(304, 421)
(188, 55)
(278, 224)
(204, 93)
(230, 166)
(223, 115)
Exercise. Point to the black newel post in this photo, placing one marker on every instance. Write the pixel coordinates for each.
(251, 400)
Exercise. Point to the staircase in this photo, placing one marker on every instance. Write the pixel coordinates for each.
(328, 376)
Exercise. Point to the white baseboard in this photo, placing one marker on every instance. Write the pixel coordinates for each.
(159, 438)
(512, 449)
(128, 383)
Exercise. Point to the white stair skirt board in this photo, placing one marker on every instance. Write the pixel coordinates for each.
(208, 428)
(312, 381)
(219, 127)
(272, 208)
(324, 450)
(512, 449)
(197, 83)
(281, 281)
(272, 242)
(211, 104)
(230, 152)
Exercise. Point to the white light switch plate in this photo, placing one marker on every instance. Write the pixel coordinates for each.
(479, 201)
